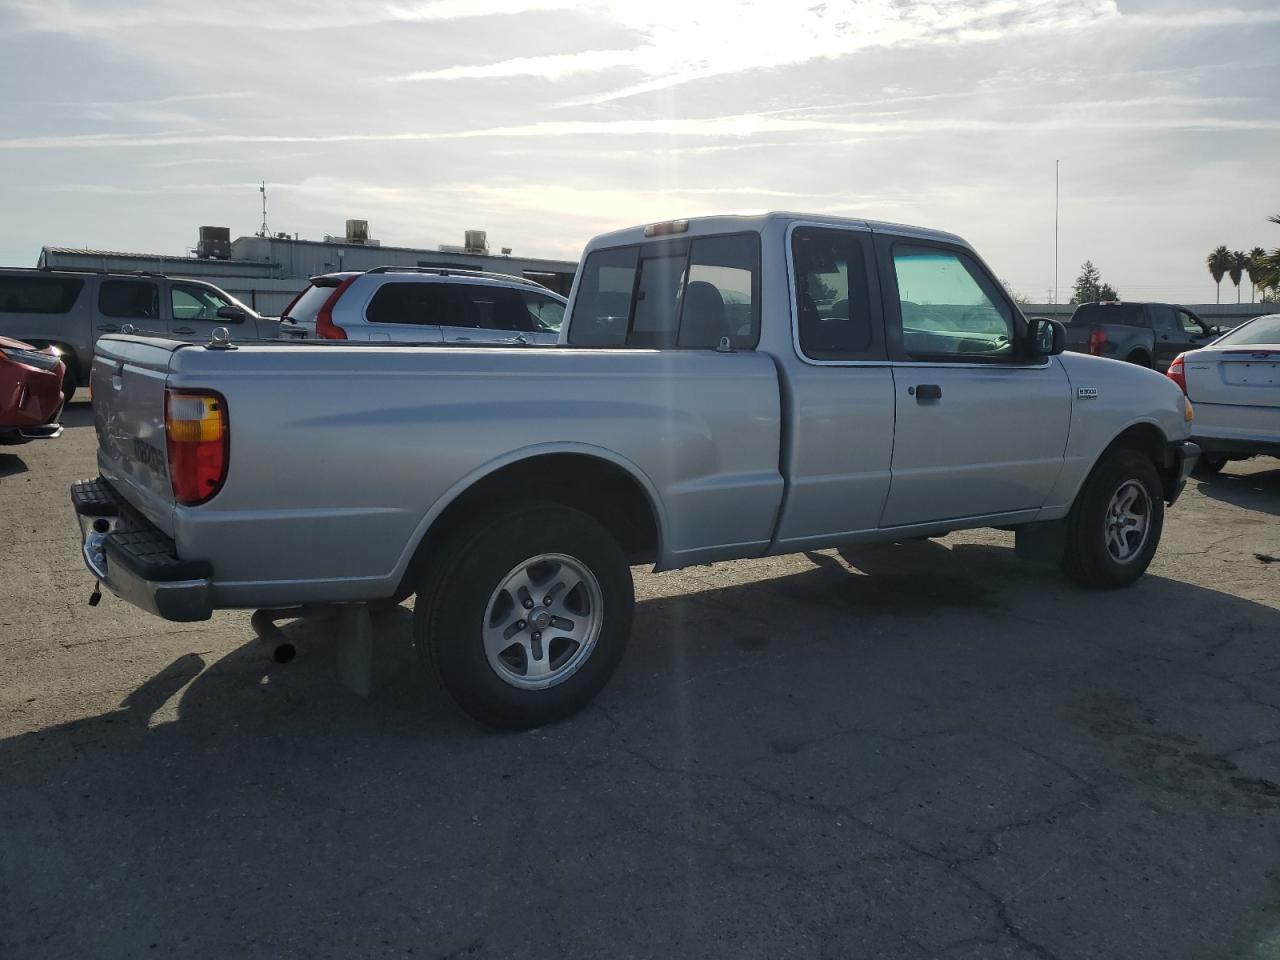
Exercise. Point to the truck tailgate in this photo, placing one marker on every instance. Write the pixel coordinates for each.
(128, 382)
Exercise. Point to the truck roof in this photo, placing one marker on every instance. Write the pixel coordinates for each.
(702, 226)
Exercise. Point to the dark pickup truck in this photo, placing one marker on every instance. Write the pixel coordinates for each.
(1149, 334)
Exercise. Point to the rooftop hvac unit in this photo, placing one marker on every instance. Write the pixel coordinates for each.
(215, 243)
(475, 241)
(357, 231)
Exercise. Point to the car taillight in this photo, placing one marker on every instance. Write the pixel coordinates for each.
(1177, 373)
(325, 327)
(198, 436)
(1097, 338)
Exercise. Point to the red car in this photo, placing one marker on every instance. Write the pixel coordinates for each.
(30, 392)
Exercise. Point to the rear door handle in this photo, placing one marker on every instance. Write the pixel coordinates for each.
(183, 330)
(108, 328)
(926, 391)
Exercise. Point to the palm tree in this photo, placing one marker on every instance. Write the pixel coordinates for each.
(1239, 263)
(1257, 270)
(1219, 262)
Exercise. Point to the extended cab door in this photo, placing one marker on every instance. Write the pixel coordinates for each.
(838, 399)
(979, 431)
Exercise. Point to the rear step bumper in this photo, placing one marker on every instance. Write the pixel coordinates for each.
(136, 561)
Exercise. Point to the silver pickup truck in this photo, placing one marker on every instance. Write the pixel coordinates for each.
(724, 387)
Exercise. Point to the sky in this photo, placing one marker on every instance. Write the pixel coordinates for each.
(127, 124)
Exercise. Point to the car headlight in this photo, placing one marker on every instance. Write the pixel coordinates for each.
(32, 358)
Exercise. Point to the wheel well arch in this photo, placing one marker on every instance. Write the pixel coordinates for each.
(1148, 439)
(1138, 355)
(612, 492)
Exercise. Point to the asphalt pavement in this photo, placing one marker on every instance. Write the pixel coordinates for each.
(921, 750)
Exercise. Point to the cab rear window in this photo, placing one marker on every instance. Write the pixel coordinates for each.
(685, 293)
(1123, 314)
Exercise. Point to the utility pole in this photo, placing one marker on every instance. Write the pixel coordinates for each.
(1055, 229)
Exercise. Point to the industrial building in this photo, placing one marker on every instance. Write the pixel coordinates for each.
(266, 271)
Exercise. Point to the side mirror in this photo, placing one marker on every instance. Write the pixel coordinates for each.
(234, 314)
(1045, 337)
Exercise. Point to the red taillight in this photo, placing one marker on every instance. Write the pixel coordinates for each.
(325, 328)
(198, 436)
(1097, 339)
(1176, 372)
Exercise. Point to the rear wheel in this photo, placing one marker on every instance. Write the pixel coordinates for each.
(1114, 525)
(528, 615)
(1208, 465)
(1138, 358)
(70, 379)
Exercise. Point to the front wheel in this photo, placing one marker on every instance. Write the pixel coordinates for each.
(1114, 525)
(528, 616)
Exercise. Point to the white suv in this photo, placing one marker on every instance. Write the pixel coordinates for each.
(424, 305)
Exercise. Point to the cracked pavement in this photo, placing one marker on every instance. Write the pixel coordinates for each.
(922, 750)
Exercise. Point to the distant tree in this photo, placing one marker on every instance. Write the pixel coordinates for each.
(1018, 298)
(1239, 263)
(1219, 262)
(1257, 270)
(1089, 286)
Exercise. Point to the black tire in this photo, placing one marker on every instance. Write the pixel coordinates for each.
(1087, 559)
(453, 597)
(1208, 466)
(1139, 359)
(70, 380)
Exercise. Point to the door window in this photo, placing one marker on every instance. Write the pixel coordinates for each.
(38, 294)
(545, 313)
(485, 307)
(129, 299)
(1166, 319)
(198, 303)
(1190, 324)
(832, 307)
(950, 310)
(409, 303)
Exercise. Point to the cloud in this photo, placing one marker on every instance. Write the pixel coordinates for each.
(740, 126)
(95, 16)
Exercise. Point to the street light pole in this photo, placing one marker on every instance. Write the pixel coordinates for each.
(1055, 230)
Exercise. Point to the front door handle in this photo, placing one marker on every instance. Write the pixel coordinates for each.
(108, 328)
(926, 391)
(183, 330)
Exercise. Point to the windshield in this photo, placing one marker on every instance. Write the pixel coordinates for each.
(1262, 330)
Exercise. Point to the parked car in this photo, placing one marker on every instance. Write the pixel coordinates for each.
(726, 387)
(1235, 386)
(1148, 334)
(30, 392)
(69, 310)
(424, 305)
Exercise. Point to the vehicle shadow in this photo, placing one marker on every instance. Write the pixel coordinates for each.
(1256, 490)
(77, 414)
(272, 800)
(11, 465)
